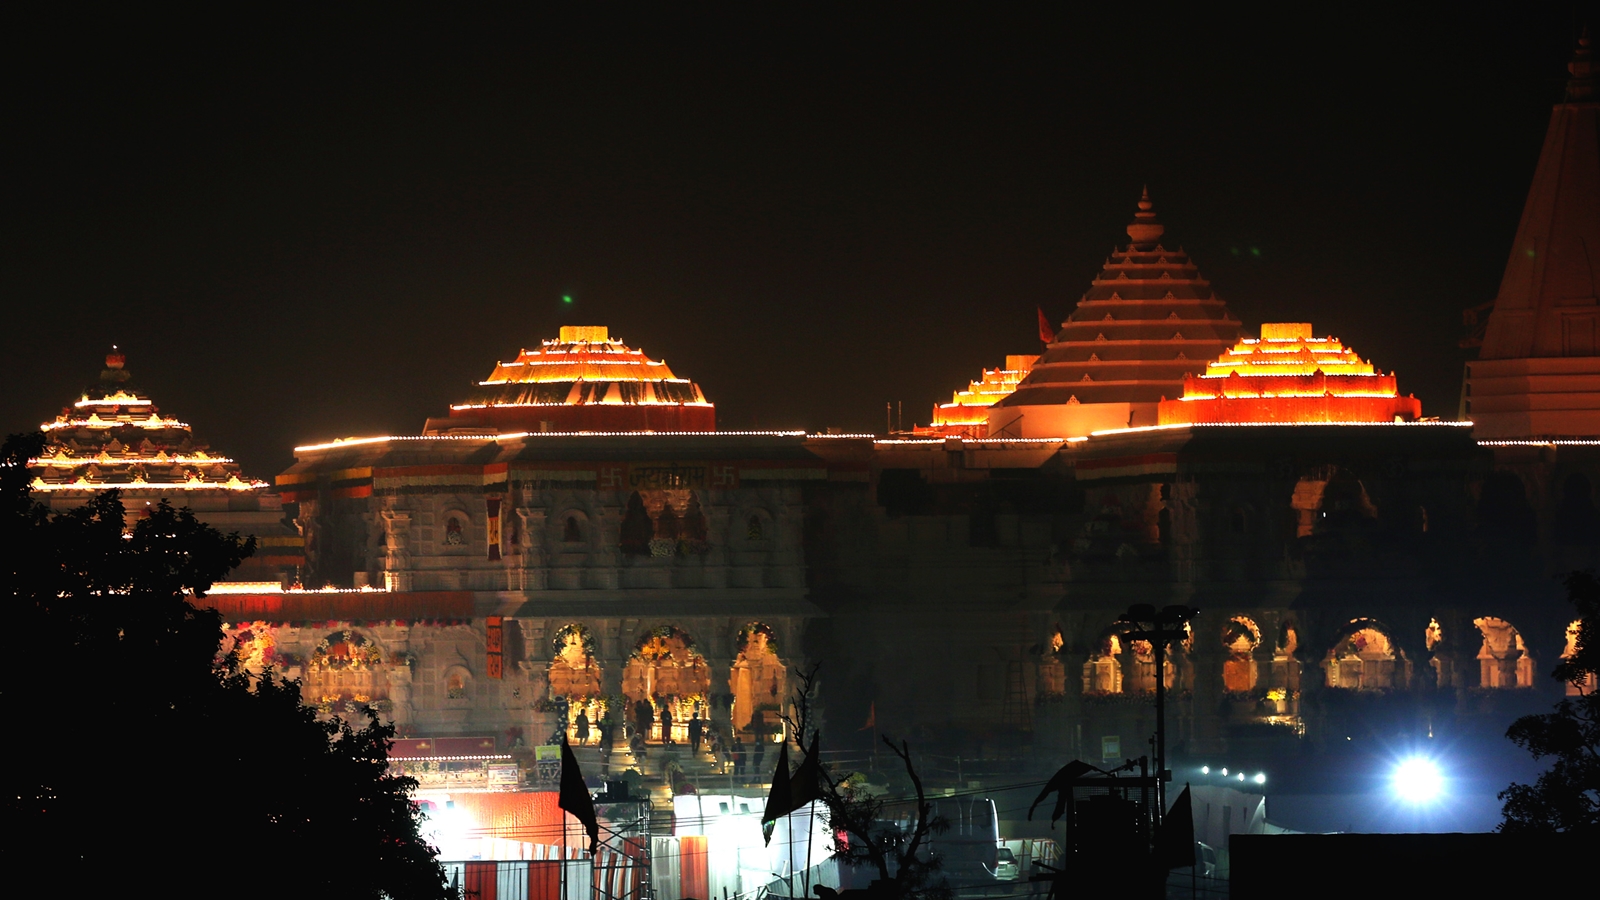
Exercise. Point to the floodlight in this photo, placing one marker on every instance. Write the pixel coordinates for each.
(1261, 778)
(1224, 771)
(1205, 770)
(1241, 776)
(1418, 780)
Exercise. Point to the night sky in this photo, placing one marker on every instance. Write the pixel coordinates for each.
(310, 224)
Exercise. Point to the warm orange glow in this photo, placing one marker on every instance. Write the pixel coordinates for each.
(966, 413)
(1289, 376)
(581, 353)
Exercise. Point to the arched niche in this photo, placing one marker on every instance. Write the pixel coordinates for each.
(758, 680)
(574, 677)
(1240, 638)
(665, 674)
(1503, 659)
(1366, 659)
(1589, 682)
(346, 666)
(1102, 671)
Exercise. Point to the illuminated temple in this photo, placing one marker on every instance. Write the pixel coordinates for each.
(584, 380)
(114, 436)
(1288, 376)
(1147, 321)
(967, 413)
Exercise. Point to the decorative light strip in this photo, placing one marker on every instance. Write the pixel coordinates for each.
(1110, 431)
(153, 422)
(82, 484)
(515, 435)
(74, 462)
(449, 759)
(245, 587)
(1560, 442)
(942, 441)
(118, 399)
(590, 403)
(1269, 395)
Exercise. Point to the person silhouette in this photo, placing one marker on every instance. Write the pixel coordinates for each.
(582, 727)
(695, 728)
(666, 723)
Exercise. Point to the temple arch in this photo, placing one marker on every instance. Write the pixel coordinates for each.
(1240, 636)
(1588, 684)
(1052, 678)
(1366, 659)
(1102, 672)
(574, 527)
(665, 673)
(1503, 659)
(345, 666)
(574, 676)
(757, 680)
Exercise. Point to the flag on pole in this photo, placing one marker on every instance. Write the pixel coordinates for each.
(574, 796)
(806, 785)
(1046, 333)
(1175, 840)
(778, 804)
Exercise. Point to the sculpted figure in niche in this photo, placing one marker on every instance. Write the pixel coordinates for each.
(757, 679)
(453, 531)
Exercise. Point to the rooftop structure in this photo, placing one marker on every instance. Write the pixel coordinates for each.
(113, 436)
(1287, 375)
(1538, 374)
(585, 380)
(967, 413)
(1147, 321)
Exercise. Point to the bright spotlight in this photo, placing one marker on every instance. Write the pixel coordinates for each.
(1224, 772)
(1418, 780)
(1205, 770)
(1241, 776)
(1261, 778)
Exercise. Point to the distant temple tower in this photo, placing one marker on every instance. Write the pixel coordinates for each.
(585, 380)
(1289, 377)
(1147, 321)
(1538, 374)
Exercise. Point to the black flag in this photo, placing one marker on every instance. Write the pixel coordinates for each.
(1061, 784)
(574, 797)
(806, 785)
(1175, 840)
(778, 804)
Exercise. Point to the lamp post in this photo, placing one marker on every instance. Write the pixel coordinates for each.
(1158, 627)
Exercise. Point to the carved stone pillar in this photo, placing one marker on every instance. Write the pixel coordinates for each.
(397, 558)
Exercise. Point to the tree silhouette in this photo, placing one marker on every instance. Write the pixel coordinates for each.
(1567, 796)
(146, 759)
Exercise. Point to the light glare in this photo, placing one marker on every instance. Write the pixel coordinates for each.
(1418, 780)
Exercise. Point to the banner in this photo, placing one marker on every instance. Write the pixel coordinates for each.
(494, 637)
(494, 527)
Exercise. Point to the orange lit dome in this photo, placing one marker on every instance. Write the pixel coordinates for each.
(114, 437)
(585, 380)
(1289, 376)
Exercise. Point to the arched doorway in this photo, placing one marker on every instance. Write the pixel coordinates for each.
(1503, 660)
(346, 669)
(1102, 672)
(1366, 660)
(1240, 636)
(757, 681)
(574, 676)
(1589, 682)
(665, 674)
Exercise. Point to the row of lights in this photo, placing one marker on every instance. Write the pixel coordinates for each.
(1259, 778)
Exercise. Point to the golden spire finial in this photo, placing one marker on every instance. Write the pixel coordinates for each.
(1145, 230)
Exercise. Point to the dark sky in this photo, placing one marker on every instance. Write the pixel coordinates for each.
(308, 225)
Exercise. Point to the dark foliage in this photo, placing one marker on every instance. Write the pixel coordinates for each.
(143, 760)
(1567, 796)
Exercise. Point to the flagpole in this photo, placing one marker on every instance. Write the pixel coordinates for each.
(1194, 870)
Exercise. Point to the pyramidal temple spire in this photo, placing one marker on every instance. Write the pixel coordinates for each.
(1540, 364)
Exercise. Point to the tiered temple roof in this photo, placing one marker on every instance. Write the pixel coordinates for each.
(113, 436)
(1146, 322)
(1538, 374)
(1289, 376)
(585, 380)
(966, 415)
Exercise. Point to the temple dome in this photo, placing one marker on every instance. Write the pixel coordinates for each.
(1289, 376)
(1147, 321)
(584, 380)
(966, 415)
(113, 436)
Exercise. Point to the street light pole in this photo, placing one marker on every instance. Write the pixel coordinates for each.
(1159, 627)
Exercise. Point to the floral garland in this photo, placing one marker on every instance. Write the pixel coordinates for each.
(754, 628)
(652, 646)
(361, 654)
(558, 642)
